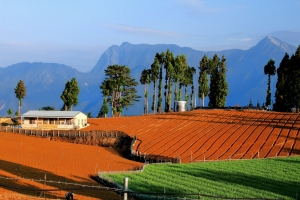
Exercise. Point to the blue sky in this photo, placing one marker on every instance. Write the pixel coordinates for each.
(76, 33)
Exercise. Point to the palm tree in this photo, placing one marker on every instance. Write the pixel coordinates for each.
(269, 70)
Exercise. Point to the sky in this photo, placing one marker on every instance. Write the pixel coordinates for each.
(77, 33)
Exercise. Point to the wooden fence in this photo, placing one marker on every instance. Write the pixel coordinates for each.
(64, 133)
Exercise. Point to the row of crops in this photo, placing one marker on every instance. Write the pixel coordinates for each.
(276, 178)
(203, 135)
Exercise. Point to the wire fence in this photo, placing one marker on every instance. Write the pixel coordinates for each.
(109, 185)
(108, 181)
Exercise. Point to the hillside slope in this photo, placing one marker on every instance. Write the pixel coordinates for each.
(202, 135)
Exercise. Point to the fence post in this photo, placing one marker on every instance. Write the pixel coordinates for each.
(198, 194)
(125, 188)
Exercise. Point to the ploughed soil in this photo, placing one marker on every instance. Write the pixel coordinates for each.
(53, 164)
(203, 135)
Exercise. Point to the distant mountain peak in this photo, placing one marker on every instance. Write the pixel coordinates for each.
(124, 44)
(274, 40)
(271, 42)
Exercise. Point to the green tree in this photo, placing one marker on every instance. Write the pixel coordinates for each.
(17, 113)
(222, 84)
(89, 114)
(203, 80)
(169, 67)
(70, 94)
(218, 84)
(250, 104)
(294, 79)
(20, 91)
(186, 81)
(160, 58)
(269, 70)
(155, 68)
(145, 79)
(47, 108)
(104, 109)
(214, 79)
(282, 102)
(192, 71)
(183, 70)
(9, 111)
(119, 86)
(180, 68)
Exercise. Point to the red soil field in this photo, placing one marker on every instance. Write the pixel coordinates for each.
(203, 135)
(31, 158)
(196, 136)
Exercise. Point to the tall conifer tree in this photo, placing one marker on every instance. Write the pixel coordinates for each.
(20, 91)
(269, 70)
(203, 80)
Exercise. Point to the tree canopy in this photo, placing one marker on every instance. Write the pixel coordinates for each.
(287, 93)
(119, 87)
(70, 94)
(20, 91)
(145, 79)
(269, 70)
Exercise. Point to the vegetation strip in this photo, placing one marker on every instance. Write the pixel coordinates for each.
(258, 178)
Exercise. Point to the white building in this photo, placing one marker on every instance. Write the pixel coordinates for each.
(42, 119)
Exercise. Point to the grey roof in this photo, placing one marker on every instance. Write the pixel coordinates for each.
(51, 114)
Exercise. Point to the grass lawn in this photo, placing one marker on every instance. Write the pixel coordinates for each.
(257, 178)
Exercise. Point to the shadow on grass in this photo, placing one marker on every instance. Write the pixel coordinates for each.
(21, 171)
(285, 188)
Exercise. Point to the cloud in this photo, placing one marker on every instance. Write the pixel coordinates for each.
(240, 39)
(143, 31)
(197, 7)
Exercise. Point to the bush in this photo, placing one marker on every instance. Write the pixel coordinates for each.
(5, 124)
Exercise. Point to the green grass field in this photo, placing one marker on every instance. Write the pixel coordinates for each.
(257, 178)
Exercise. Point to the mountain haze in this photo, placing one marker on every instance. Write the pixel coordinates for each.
(45, 81)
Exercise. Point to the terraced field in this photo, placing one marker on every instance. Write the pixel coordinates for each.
(203, 135)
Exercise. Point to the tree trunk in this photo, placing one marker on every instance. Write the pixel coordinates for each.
(19, 114)
(154, 99)
(145, 107)
(202, 99)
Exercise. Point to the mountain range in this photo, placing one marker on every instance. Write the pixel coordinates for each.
(46, 81)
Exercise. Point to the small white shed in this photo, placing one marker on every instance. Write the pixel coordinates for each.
(54, 119)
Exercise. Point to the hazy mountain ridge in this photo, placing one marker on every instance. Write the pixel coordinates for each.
(45, 81)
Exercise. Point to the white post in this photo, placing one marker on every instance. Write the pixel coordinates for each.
(125, 187)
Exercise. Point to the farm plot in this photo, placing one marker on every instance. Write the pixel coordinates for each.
(258, 178)
(36, 158)
(210, 134)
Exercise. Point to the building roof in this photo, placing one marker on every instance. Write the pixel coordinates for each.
(50, 114)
